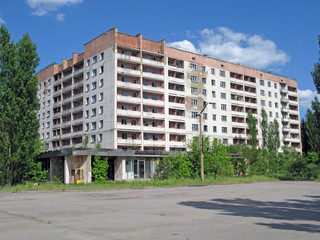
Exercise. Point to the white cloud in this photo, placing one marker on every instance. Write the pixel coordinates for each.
(2, 21)
(60, 17)
(306, 97)
(223, 43)
(43, 7)
(184, 45)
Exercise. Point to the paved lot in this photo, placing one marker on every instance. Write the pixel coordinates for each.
(271, 210)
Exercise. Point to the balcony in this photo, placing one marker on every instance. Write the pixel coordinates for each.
(151, 115)
(128, 85)
(153, 76)
(284, 99)
(176, 93)
(176, 69)
(152, 63)
(78, 72)
(157, 103)
(296, 131)
(130, 142)
(176, 118)
(284, 109)
(135, 73)
(128, 113)
(127, 99)
(151, 143)
(153, 89)
(176, 105)
(177, 144)
(153, 129)
(176, 80)
(285, 119)
(127, 127)
(128, 58)
(283, 90)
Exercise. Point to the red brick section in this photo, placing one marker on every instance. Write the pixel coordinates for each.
(48, 72)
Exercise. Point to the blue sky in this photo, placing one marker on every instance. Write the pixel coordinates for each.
(272, 35)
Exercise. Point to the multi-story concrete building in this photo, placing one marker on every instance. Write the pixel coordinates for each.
(134, 96)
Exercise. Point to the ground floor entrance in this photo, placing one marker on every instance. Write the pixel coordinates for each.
(140, 169)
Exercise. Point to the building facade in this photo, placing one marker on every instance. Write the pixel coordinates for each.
(132, 94)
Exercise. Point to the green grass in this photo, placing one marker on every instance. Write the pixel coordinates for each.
(110, 185)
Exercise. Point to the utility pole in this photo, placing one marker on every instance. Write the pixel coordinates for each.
(201, 140)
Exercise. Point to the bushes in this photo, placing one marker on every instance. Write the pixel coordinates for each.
(100, 168)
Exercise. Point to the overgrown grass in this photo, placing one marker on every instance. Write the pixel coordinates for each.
(110, 185)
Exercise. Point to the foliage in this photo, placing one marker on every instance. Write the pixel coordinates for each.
(100, 168)
(264, 127)
(37, 174)
(316, 72)
(273, 136)
(19, 124)
(252, 131)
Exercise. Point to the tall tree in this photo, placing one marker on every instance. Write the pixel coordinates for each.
(273, 136)
(252, 130)
(316, 72)
(264, 127)
(19, 125)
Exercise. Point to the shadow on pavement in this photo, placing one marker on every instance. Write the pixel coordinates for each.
(289, 210)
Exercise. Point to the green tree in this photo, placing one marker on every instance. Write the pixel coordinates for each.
(252, 130)
(264, 127)
(19, 125)
(273, 136)
(316, 72)
(100, 169)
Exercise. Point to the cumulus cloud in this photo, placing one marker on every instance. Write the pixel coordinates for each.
(306, 97)
(60, 17)
(43, 7)
(2, 21)
(223, 43)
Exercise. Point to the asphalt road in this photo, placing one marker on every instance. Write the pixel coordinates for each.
(270, 210)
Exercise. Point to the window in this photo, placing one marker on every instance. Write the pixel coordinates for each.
(145, 69)
(263, 102)
(276, 105)
(204, 92)
(94, 85)
(214, 105)
(154, 84)
(214, 117)
(270, 114)
(277, 115)
(94, 99)
(203, 69)
(213, 82)
(88, 62)
(214, 129)
(87, 75)
(134, 94)
(124, 93)
(223, 96)
(94, 59)
(124, 107)
(93, 112)
(145, 83)
(214, 94)
(93, 138)
(48, 124)
(87, 88)
(48, 135)
(194, 78)
(262, 92)
(222, 73)
(154, 124)
(275, 95)
(195, 127)
(48, 114)
(124, 136)
(94, 72)
(86, 127)
(225, 141)
(224, 130)
(100, 137)
(270, 104)
(154, 97)
(43, 104)
(86, 114)
(101, 124)
(134, 136)
(101, 56)
(123, 121)
(193, 66)
(145, 96)
(154, 110)
(194, 102)
(87, 101)
(194, 114)
(224, 107)
(204, 80)
(101, 69)
(100, 96)
(134, 122)
(124, 79)
(48, 103)
(269, 94)
(223, 118)
(39, 86)
(49, 92)
(213, 71)
(93, 126)
(100, 110)
(205, 116)
(269, 84)
(261, 82)
(134, 108)
(222, 84)
(154, 71)
(101, 83)
(275, 85)
(194, 90)
(145, 109)
(124, 65)
(205, 128)
(146, 136)
(145, 123)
